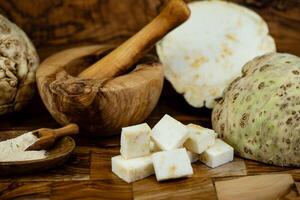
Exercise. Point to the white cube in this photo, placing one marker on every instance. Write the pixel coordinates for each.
(154, 147)
(193, 156)
(131, 170)
(172, 164)
(169, 133)
(218, 154)
(135, 141)
(199, 138)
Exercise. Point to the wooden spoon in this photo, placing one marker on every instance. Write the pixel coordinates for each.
(48, 136)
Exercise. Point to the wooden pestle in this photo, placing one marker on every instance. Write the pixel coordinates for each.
(122, 58)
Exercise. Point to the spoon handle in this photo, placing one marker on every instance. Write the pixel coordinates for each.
(70, 129)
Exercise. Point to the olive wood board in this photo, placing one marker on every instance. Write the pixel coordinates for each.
(259, 187)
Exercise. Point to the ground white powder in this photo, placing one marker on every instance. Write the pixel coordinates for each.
(14, 149)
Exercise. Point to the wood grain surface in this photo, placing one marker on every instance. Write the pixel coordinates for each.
(260, 187)
(56, 156)
(98, 106)
(57, 24)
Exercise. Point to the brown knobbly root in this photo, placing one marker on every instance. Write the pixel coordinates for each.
(18, 63)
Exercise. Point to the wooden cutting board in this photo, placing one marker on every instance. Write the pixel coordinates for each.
(261, 187)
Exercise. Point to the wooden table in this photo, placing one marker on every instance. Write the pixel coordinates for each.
(87, 174)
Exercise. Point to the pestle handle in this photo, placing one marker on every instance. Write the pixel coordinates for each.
(71, 129)
(122, 58)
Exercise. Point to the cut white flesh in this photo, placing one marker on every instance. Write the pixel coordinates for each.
(194, 157)
(172, 164)
(131, 170)
(199, 138)
(135, 141)
(203, 55)
(169, 133)
(218, 154)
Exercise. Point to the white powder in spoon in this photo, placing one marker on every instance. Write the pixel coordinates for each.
(14, 149)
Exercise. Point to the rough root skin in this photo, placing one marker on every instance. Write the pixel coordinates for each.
(18, 62)
(259, 114)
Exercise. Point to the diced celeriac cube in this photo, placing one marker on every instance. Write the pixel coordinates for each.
(199, 138)
(193, 156)
(154, 147)
(218, 154)
(169, 133)
(135, 141)
(172, 164)
(131, 170)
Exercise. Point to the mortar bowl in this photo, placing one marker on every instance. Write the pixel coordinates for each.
(99, 107)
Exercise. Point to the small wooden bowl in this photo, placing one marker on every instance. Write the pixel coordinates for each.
(103, 106)
(56, 156)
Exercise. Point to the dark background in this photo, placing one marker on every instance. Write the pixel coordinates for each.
(60, 23)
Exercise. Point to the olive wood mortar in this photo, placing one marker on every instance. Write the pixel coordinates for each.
(115, 91)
